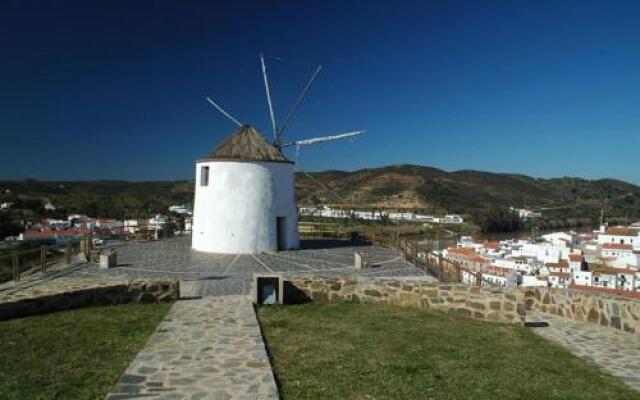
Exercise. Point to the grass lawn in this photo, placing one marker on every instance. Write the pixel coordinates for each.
(367, 351)
(77, 354)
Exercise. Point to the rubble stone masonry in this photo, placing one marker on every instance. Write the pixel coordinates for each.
(597, 308)
(495, 304)
(68, 293)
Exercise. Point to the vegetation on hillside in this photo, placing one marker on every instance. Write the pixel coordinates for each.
(117, 199)
(477, 195)
(474, 194)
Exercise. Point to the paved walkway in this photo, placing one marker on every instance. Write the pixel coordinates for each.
(615, 351)
(209, 348)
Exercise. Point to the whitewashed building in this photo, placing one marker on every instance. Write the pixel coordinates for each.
(620, 235)
(244, 198)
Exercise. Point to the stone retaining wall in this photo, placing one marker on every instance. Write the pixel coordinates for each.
(91, 295)
(502, 305)
(597, 308)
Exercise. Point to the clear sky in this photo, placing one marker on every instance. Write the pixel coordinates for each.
(116, 89)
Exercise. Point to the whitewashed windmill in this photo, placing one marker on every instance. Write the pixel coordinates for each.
(244, 196)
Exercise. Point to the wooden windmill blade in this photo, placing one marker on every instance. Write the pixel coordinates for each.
(268, 91)
(295, 105)
(223, 112)
(327, 138)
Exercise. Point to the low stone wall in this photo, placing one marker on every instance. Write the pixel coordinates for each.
(90, 295)
(597, 308)
(503, 305)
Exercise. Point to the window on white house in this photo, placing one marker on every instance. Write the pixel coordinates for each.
(204, 176)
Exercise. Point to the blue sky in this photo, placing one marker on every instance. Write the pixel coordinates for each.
(115, 90)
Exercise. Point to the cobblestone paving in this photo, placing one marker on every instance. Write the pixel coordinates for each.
(220, 274)
(209, 348)
(617, 352)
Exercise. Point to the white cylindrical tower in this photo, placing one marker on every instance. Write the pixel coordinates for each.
(244, 198)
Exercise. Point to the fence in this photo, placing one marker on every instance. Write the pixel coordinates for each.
(422, 254)
(19, 263)
(376, 235)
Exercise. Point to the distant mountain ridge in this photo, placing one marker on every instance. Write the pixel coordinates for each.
(435, 190)
(396, 186)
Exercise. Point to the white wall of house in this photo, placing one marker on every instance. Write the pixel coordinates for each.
(619, 239)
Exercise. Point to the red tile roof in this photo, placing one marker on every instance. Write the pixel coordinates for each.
(559, 264)
(44, 234)
(617, 246)
(575, 257)
(614, 292)
(492, 245)
(622, 231)
(465, 251)
(613, 271)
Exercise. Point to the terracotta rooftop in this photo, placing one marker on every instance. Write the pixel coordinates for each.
(575, 257)
(559, 264)
(622, 231)
(491, 245)
(617, 246)
(613, 271)
(615, 292)
(560, 274)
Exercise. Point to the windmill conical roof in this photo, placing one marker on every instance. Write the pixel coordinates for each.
(247, 144)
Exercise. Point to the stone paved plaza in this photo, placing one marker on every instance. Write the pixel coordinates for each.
(209, 348)
(220, 274)
(617, 352)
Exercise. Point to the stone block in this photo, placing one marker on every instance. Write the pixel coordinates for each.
(616, 323)
(108, 259)
(476, 305)
(460, 312)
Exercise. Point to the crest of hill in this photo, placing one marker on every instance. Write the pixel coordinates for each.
(410, 187)
(419, 187)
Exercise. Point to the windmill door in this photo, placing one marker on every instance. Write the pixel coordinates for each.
(281, 232)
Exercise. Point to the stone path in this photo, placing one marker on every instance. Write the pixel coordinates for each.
(209, 348)
(617, 352)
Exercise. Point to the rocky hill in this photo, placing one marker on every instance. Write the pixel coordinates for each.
(434, 190)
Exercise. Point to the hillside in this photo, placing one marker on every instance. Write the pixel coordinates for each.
(437, 191)
(400, 186)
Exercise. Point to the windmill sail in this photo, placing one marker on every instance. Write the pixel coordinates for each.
(295, 106)
(324, 138)
(266, 88)
(223, 112)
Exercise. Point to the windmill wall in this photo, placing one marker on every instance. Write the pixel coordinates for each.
(236, 213)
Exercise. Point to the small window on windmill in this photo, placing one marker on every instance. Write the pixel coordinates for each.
(204, 176)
